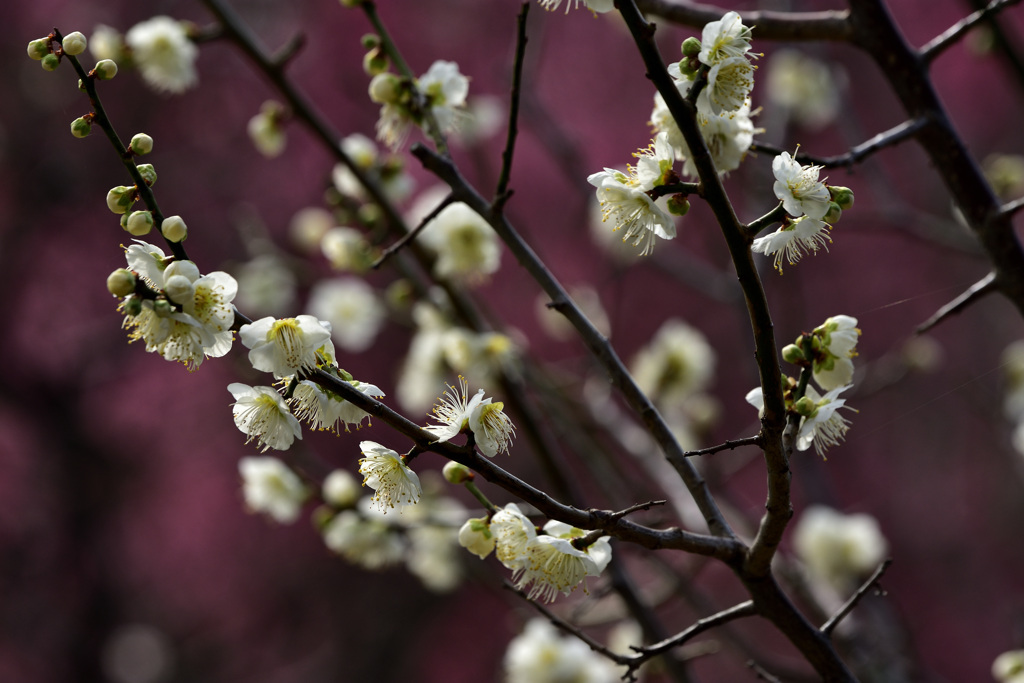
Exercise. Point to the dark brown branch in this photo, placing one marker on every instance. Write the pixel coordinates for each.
(411, 235)
(768, 25)
(947, 38)
(727, 446)
(979, 290)
(288, 51)
(755, 226)
(888, 138)
(501, 194)
(744, 609)
(848, 606)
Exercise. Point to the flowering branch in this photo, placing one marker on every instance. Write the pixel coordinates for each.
(848, 606)
(887, 138)
(947, 38)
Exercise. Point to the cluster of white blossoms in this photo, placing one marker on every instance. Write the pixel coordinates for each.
(828, 351)
(456, 412)
(541, 655)
(548, 562)
(813, 205)
(839, 549)
(270, 487)
(442, 91)
(160, 47)
(177, 312)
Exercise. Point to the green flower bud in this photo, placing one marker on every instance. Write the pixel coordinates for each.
(132, 306)
(38, 49)
(456, 473)
(121, 283)
(105, 69)
(74, 43)
(691, 47)
(678, 205)
(148, 173)
(81, 127)
(141, 144)
(791, 353)
(370, 41)
(163, 308)
(833, 214)
(689, 68)
(843, 196)
(806, 407)
(375, 62)
(121, 198)
(124, 221)
(385, 88)
(50, 62)
(174, 229)
(139, 223)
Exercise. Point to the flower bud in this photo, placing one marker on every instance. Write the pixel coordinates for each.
(456, 473)
(141, 144)
(38, 49)
(689, 67)
(178, 289)
(163, 308)
(132, 306)
(81, 127)
(843, 196)
(174, 229)
(105, 69)
(806, 407)
(265, 130)
(833, 214)
(187, 269)
(375, 62)
(791, 353)
(340, 489)
(148, 173)
(476, 537)
(370, 41)
(691, 47)
(121, 283)
(139, 223)
(74, 43)
(678, 205)
(121, 198)
(50, 62)
(385, 88)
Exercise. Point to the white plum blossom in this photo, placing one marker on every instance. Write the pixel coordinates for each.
(541, 655)
(266, 286)
(729, 85)
(798, 187)
(554, 565)
(445, 89)
(164, 54)
(724, 39)
(345, 249)
(676, 363)
(352, 308)
(805, 235)
(340, 489)
(271, 488)
(465, 244)
(841, 549)
(804, 86)
(631, 208)
(433, 557)
(288, 345)
(148, 261)
(492, 427)
(456, 411)
(513, 535)
(476, 537)
(324, 409)
(824, 427)
(838, 336)
(262, 414)
(386, 473)
(364, 538)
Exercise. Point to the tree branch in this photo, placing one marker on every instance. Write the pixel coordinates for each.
(501, 194)
(848, 606)
(727, 446)
(979, 290)
(888, 138)
(947, 38)
(768, 25)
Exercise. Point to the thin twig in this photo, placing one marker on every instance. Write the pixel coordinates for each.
(744, 609)
(975, 292)
(289, 51)
(411, 235)
(727, 446)
(947, 38)
(887, 138)
(757, 225)
(848, 606)
(761, 672)
(501, 194)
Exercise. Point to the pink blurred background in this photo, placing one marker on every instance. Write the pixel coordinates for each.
(120, 504)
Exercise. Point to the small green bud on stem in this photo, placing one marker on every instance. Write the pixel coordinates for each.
(50, 62)
(843, 196)
(691, 47)
(678, 205)
(141, 144)
(457, 473)
(82, 126)
(148, 173)
(173, 228)
(38, 49)
(139, 223)
(105, 69)
(121, 283)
